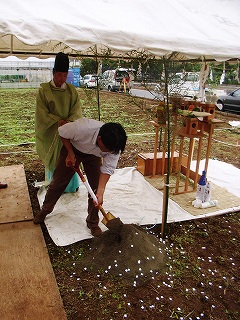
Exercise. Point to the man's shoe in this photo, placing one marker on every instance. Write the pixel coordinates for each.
(39, 218)
(3, 185)
(96, 231)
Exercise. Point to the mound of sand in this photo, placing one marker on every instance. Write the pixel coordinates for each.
(126, 251)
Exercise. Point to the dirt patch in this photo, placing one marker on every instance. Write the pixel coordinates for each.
(130, 253)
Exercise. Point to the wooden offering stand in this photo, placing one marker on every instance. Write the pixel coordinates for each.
(193, 130)
(156, 163)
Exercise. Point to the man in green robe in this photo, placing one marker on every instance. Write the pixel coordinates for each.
(57, 103)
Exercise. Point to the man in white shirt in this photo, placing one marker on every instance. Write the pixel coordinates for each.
(98, 147)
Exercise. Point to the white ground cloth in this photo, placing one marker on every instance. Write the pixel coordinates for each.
(131, 198)
(222, 174)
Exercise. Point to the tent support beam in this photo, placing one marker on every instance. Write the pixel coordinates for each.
(108, 56)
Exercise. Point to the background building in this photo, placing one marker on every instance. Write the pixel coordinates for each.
(29, 73)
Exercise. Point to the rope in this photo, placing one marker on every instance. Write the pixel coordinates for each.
(131, 134)
(228, 144)
(16, 144)
(15, 152)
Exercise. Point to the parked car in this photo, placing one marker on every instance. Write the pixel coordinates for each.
(186, 84)
(112, 80)
(183, 84)
(230, 102)
(89, 81)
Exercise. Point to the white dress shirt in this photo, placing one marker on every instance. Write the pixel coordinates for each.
(83, 134)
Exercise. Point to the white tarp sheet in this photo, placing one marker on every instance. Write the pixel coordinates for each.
(209, 28)
(131, 198)
(222, 174)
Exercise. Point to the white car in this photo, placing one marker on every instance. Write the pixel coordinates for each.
(183, 84)
(90, 81)
(112, 80)
(186, 84)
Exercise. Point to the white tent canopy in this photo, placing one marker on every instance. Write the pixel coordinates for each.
(196, 29)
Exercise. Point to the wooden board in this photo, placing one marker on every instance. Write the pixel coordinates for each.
(192, 174)
(15, 204)
(28, 286)
(145, 163)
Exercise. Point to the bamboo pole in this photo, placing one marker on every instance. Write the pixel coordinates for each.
(156, 126)
(179, 165)
(164, 208)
